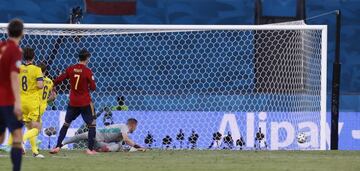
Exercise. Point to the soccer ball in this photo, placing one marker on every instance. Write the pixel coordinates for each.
(301, 137)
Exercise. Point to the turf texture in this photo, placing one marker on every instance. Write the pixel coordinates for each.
(175, 160)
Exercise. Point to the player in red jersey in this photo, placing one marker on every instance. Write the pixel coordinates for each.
(81, 83)
(10, 107)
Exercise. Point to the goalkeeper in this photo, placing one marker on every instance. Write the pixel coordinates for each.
(110, 138)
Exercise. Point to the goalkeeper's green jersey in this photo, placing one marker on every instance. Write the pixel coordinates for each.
(111, 133)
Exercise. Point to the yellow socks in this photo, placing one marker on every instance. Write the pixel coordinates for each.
(34, 147)
(31, 135)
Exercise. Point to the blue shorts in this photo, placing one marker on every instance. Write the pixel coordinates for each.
(8, 119)
(87, 113)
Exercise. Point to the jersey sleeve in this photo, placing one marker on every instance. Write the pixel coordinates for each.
(16, 61)
(91, 81)
(62, 77)
(124, 129)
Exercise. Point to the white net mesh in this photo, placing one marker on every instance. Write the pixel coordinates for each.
(234, 80)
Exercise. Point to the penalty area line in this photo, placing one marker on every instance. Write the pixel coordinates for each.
(61, 157)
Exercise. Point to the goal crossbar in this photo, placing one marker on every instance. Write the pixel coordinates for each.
(170, 27)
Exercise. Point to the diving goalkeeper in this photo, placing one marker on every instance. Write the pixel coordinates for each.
(110, 138)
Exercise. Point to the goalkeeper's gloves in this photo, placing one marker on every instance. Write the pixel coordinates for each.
(139, 148)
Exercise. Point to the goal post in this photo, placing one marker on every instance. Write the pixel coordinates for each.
(324, 134)
(202, 79)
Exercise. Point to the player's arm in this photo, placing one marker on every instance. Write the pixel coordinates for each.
(91, 81)
(14, 76)
(52, 92)
(52, 96)
(40, 84)
(15, 86)
(61, 78)
(130, 142)
(39, 79)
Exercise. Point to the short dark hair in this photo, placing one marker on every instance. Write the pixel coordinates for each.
(15, 28)
(84, 55)
(132, 120)
(28, 53)
(43, 66)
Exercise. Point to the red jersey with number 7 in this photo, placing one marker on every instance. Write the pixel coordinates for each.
(81, 83)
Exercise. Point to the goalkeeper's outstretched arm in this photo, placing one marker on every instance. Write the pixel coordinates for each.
(131, 143)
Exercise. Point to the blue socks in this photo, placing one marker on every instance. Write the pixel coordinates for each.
(91, 137)
(62, 135)
(16, 155)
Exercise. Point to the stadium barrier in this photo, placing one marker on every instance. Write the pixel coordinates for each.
(279, 134)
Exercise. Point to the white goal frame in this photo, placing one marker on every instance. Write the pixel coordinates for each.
(159, 28)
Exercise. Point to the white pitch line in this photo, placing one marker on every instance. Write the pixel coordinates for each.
(61, 157)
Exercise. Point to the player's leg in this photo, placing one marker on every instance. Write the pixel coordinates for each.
(15, 128)
(32, 122)
(34, 127)
(89, 116)
(7, 147)
(2, 128)
(33, 141)
(33, 130)
(16, 148)
(76, 138)
(71, 114)
(2, 136)
(25, 110)
(42, 111)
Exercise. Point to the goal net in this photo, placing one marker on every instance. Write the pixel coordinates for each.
(194, 86)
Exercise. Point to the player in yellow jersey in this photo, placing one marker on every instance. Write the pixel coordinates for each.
(31, 86)
(46, 95)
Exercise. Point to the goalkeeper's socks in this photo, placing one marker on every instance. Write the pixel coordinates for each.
(16, 155)
(91, 137)
(62, 135)
(30, 134)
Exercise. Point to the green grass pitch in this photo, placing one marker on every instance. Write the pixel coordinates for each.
(192, 161)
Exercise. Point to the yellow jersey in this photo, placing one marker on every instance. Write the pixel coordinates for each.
(46, 91)
(29, 76)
